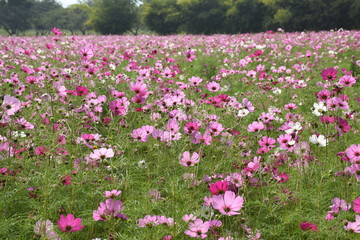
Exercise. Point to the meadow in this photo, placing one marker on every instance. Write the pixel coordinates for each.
(223, 137)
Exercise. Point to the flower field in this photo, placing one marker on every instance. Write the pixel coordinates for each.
(224, 137)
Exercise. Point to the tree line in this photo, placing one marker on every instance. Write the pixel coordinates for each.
(178, 16)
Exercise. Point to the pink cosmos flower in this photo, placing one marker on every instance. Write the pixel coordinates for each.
(69, 223)
(267, 142)
(86, 52)
(81, 90)
(191, 127)
(56, 31)
(353, 226)
(353, 152)
(308, 226)
(228, 204)
(190, 55)
(11, 105)
(347, 81)
(140, 135)
(66, 180)
(189, 218)
(339, 204)
(187, 160)
(215, 128)
(219, 187)
(198, 229)
(255, 127)
(102, 153)
(110, 209)
(213, 86)
(329, 74)
(356, 206)
(112, 193)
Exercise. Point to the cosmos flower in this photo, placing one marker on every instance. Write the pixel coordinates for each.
(69, 223)
(228, 204)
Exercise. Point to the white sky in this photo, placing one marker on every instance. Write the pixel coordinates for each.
(66, 3)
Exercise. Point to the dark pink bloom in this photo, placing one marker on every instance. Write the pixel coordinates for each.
(66, 180)
(69, 223)
(329, 74)
(308, 226)
(56, 32)
(356, 206)
(219, 187)
(81, 90)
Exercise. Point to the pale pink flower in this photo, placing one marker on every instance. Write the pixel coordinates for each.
(112, 193)
(198, 229)
(187, 160)
(102, 153)
(353, 152)
(213, 86)
(353, 226)
(255, 127)
(228, 204)
(11, 105)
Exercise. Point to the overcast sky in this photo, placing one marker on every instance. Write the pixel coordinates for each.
(66, 3)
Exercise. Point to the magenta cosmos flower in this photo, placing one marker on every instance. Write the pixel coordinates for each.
(356, 206)
(329, 74)
(69, 223)
(219, 187)
(308, 226)
(228, 204)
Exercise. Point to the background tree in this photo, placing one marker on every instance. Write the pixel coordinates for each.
(15, 15)
(161, 16)
(113, 16)
(46, 14)
(244, 16)
(203, 16)
(77, 16)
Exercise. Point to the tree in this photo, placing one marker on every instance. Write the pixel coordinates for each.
(15, 15)
(77, 16)
(161, 16)
(244, 16)
(46, 14)
(113, 16)
(203, 16)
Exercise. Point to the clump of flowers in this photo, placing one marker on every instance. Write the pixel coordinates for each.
(149, 221)
(45, 229)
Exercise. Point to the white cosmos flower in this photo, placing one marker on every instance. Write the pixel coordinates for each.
(243, 112)
(319, 109)
(319, 140)
(294, 127)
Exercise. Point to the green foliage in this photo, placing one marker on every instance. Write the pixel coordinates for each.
(15, 15)
(161, 16)
(113, 16)
(47, 14)
(203, 17)
(77, 16)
